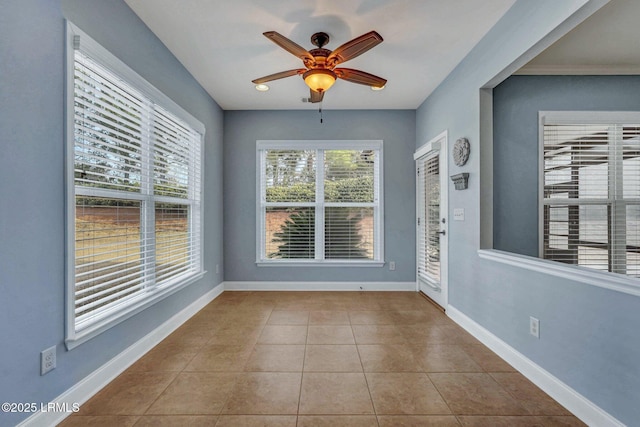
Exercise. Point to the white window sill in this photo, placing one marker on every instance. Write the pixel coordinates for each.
(601, 279)
(308, 263)
(112, 319)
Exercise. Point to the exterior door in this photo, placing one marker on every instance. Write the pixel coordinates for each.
(431, 186)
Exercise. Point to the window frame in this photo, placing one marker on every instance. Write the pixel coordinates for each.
(613, 203)
(76, 39)
(319, 204)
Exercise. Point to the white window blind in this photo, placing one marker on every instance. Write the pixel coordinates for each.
(289, 192)
(320, 201)
(429, 217)
(136, 185)
(591, 197)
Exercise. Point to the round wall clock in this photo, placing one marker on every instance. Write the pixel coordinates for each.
(461, 151)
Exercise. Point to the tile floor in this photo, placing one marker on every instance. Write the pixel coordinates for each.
(314, 359)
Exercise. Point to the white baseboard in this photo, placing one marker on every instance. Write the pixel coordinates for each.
(579, 405)
(319, 286)
(98, 379)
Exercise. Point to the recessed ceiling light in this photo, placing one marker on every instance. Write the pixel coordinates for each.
(377, 88)
(262, 87)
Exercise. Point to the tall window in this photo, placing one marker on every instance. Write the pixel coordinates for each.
(591, 195)
(135, 168)
(320, 202)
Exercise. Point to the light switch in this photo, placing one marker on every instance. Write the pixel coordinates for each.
(458, 214)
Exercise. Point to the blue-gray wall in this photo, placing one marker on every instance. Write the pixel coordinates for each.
(516, 103)
(588, 335)
(241, 130)
(32, 213)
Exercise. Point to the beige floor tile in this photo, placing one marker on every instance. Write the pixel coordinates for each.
(220, 358)
(378, 334)
(264, 393)
(332, 358)
(511, 421)
(475, 394)
(439, 333)
(177, 420)
(99, 421)
(445, 358)
(417, 421)
(129, 394)
(405, 394)
(337, 421)
(283, 334)
(193, 336)
(414, 317)
(290, 359)
(535, 401)
(247, 317)
(257, 421)
(234, 334)
(166, 356)
(330, 334)
(334, 393)
(244, 328)
(388, 358)
(488, 360)
(288, 318)
(366, 317)
(329, 317)
(306, 306)
(195, 393)
(276, 358)
(363, 304)
(405, 304)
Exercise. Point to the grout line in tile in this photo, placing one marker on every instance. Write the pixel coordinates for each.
(304, 357)
(366, 381)
(441, 395)
(175, 377)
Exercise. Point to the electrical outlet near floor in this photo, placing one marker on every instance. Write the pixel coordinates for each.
(47, 360)
(534, 327)
(392, 265)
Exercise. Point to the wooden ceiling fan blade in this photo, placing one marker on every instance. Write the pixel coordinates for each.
(360, 77)
(353, 48)
(280, 75)
(316, 96)
(289, 46)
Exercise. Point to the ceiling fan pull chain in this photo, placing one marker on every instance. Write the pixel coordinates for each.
(320, 111)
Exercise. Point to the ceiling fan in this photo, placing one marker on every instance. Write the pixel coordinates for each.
(321, 72)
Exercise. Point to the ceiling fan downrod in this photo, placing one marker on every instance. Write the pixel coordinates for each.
(320, 39)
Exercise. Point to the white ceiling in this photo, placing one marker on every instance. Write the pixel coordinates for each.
(222, 46)
(605, 43)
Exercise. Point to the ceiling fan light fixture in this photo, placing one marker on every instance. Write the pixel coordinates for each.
(377, 87)
(319, 80)
(262, 87)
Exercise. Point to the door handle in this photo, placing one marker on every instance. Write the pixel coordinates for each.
(443, 232)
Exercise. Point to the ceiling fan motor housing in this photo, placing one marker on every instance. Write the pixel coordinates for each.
(320, 55)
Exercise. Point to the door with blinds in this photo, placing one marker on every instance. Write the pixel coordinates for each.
(431, 213)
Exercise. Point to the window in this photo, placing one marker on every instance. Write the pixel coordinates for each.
(591, 190)
(134, 185)
(320, 202)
